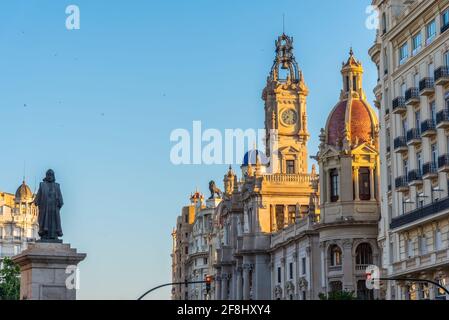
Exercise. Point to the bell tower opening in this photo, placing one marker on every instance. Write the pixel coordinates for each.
(285, 97)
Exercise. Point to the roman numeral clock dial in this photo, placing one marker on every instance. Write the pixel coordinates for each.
(289, 117)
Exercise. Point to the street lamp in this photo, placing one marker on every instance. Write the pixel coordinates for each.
(420, 196)
(436, 189)
(404, 203)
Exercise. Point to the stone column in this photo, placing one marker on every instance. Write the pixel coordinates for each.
(371, 181)
(48, 271)
(348, 266)
(356, 183)
(224, 286)
(239, 294)
(246, 281)
(218, 287)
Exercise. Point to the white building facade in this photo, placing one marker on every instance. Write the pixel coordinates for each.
(411, 52)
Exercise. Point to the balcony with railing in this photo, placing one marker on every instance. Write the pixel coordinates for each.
(443, 163)
(400, 144)
(401, 184)
(412, 96)
(399, 106)
(429, 170)
(427, 86)
(413, 136)
(336, 268)
(414, 177)
(443, 119)
(442, 76)
(361, 268)
(420, 213)
(428, 128)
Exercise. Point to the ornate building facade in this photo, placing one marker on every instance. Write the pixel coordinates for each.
(279, 231)
(411, 51)
(18, 221)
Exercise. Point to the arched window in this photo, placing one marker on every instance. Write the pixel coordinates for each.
(364, 254)
(335, 255)
(364, 184)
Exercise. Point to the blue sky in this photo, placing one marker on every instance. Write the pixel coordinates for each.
(98, 104)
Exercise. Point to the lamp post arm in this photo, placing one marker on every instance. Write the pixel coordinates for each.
(170, 284)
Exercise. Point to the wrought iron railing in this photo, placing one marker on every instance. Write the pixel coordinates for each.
(422, 212)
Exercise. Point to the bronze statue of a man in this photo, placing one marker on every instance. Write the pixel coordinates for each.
(49, 201)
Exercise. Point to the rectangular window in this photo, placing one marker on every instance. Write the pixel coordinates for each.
(279, 275)
(335, 185)
(391, 252)
(290, 270)
(446, 59)
(403, 53)
(423, 244)
(419, 162)
(405, 166)
(403, 89)
(303, 262)
(418, 120)
(290, 166)
(416, 79)
(354, 83)
(445, 21)
(186, 218)
(438, 242)
(186, 250)
(364, 184)
(433, 112)
(279, 216)
(434, 153)
(291, 214)
(410, 249)
(204, 260)
(388, 138)
(431, 32)
(417, 43)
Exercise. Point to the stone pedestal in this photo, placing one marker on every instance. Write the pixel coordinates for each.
(48, 271)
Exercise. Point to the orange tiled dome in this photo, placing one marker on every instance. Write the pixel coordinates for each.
(359, 117)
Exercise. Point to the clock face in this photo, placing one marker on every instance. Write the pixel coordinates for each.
(289, 117)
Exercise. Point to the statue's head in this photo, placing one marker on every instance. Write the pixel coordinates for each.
(50, 176)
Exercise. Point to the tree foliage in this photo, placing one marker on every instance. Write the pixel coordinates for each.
(9, 280)
(337, 295)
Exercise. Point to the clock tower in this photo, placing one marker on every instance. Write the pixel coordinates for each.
(285, 98)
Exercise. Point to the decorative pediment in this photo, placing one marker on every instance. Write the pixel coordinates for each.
(365, 148)
(288, 150)
(328, 152)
